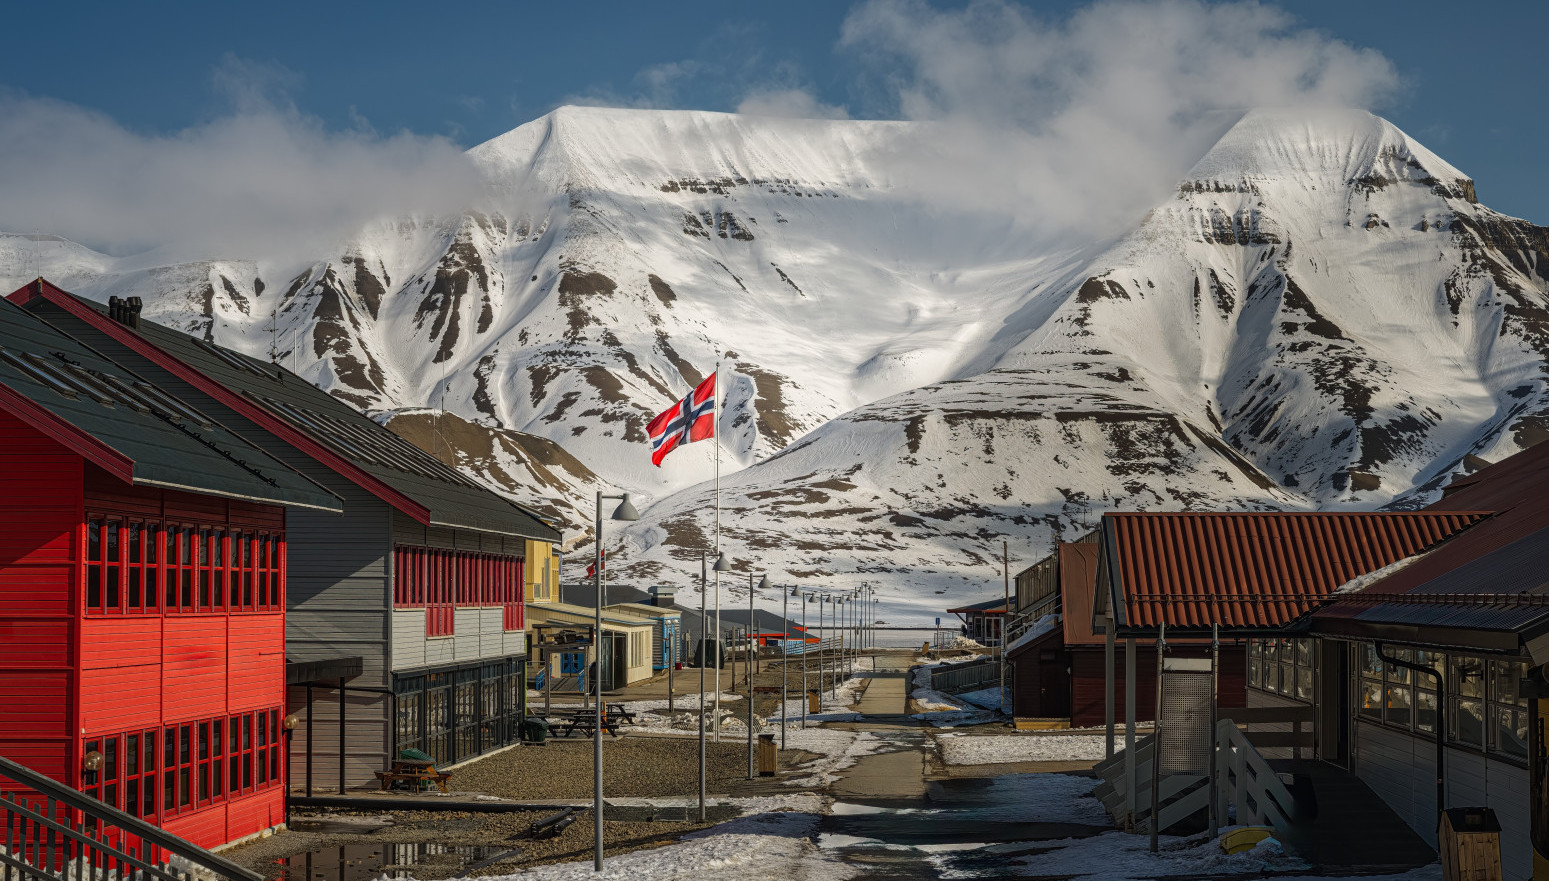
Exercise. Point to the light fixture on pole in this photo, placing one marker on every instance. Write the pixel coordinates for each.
(722, 564)
(785, 657)
(833, 663)
(763, 582)
(704, 591)
(626, 512)
(806, 600)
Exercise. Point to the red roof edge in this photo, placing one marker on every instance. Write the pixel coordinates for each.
(49, 292)
(67, 435)
(1256, 571)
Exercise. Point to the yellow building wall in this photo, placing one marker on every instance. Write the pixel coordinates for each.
(542, 573)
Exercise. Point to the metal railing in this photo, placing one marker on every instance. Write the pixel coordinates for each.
(51, 832)
(968, 676)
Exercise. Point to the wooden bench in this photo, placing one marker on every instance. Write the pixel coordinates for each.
(415, 773)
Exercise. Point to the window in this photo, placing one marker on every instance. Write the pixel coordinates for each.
(141, 567)
(161, 773)
(1281, 666)
(440, 581)
(1482, 709)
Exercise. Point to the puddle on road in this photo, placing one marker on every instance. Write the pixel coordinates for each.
(367, 862)
(952, 831)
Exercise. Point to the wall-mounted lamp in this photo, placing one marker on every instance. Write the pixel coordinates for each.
(290, 722)
(92, 761)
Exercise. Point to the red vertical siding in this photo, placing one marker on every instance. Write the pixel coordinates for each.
(40, 483)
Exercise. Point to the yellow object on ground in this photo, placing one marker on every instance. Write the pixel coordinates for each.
(1239, 840)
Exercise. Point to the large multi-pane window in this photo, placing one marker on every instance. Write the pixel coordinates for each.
(1482, 706)
(160, 773)
(1281, 666)
(139, 567)
(454, 713)
(440, 580)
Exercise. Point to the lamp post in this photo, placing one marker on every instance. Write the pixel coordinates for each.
(721, 565)
(823, 600)
(626, 512)
(806, 600)
(752, 593)
(785, 657)
(704, 629)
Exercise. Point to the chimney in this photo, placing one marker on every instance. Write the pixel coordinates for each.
(132, 318)
(115, 309)
(662, 594)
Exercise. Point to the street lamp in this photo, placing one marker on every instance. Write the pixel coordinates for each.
(763, 582)
(721, 565)
(626, 512)
(806, 600)
(785, 657)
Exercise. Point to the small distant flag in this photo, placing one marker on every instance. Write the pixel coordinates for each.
(592, 569)
(691, 419)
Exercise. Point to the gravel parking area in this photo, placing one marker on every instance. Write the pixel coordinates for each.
(638, 767)
(440, 844)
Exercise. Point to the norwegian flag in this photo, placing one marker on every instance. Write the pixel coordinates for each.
(592, 569)
(691, 419)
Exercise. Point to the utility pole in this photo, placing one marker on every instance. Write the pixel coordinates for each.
(1005, 615)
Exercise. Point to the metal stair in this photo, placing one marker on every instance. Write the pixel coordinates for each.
(51, 832)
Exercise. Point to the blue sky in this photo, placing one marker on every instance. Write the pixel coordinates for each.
(1471, 78)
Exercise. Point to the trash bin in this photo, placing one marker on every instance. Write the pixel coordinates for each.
(814, 702)
(1470, 845)
(534, 730)
(768, 756)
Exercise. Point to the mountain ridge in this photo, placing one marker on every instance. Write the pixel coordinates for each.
(1320, 315)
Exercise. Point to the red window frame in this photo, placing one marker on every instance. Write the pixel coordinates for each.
(440, 581)
(136, 566)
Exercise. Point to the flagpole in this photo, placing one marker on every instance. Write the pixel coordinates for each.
(715, 409)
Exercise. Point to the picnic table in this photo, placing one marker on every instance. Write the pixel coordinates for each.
(585, 721)
(415, 772)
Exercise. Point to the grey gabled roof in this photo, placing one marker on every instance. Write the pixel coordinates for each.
(453, 499)
(169, 443)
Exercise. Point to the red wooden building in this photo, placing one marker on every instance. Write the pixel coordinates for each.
(142, 591)
(1244, 573)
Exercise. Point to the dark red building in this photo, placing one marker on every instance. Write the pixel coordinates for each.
(142, 591)
(1257, 573)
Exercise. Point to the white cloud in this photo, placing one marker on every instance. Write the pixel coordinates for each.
(795, 103)
(264, 181)
(1095, 115)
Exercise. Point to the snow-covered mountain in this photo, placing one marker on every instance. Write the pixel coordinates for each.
(1322, 315)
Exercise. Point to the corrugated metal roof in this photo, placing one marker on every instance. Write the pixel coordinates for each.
(1489, 580)
(1254, 570)
(988, 607)
(452, 498)
(1504, 590)
(141, 421)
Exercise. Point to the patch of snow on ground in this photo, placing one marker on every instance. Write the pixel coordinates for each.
(992, 749)
(771, 840)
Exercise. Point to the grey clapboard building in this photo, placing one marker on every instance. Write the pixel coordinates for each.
(405, 613)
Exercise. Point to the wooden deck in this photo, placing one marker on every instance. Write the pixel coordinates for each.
(1353, 827)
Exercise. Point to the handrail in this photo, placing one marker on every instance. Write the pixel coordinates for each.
(56, 791)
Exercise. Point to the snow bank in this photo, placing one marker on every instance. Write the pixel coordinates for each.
(992, 749)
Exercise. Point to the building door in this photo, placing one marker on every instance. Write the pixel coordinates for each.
(1332, 711)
